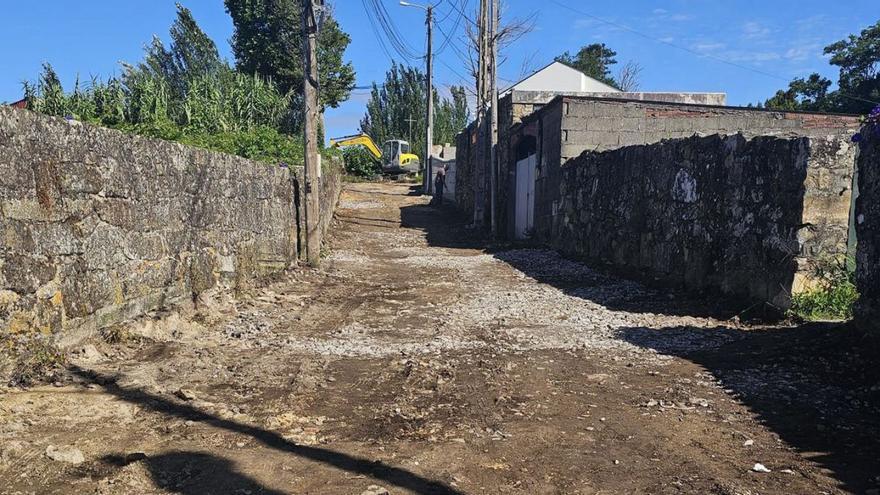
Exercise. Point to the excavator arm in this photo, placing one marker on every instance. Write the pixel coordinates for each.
(358, 139)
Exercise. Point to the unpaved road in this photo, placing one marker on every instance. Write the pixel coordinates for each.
(416, 361)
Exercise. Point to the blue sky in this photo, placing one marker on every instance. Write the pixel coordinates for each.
(779, 37)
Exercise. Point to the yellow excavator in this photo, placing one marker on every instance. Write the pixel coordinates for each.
(396, 157)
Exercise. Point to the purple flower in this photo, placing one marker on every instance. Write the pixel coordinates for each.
(857, 138)
(875, 112)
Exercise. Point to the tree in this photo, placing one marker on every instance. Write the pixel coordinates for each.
(859, 60)
(397, 110)
(629, 77)
(858, 87)
(809, 94)
(594, 60)
(267, 42)
(191, 54)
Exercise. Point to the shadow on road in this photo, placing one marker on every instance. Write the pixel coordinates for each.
(446, 227)
(194, 473)
(378, 470)
(816, 386)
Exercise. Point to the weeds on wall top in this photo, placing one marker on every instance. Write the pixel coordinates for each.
(872, 126)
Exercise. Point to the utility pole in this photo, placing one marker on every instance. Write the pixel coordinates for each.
(409, 136)
(493, 88)
(430, 138)
(310, 134)
(483, 100)
(427, 183)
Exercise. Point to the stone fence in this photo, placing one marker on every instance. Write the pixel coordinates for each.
(742, 216)
(101, 227)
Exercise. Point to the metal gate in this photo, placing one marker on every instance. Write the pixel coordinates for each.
(524, 221)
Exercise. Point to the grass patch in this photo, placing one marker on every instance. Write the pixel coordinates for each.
(833, 298)
(35, 359)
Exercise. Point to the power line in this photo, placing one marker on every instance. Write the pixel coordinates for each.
(392, 34)
(455, 27)
(689, 50)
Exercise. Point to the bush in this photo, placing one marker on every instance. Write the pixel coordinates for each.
(359, 162)
(833, 298)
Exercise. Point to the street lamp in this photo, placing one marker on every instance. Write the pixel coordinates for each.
(427, 185)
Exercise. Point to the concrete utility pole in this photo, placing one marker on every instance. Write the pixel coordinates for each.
(310, 132)
(493, 88)
(427, 182)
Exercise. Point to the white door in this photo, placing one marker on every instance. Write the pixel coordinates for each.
(525, 197)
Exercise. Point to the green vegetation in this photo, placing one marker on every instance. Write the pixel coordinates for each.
(833, 298)
(397, 110)
(594, 60)
(360, 163)
(34, 358)
(858, 85)
(267, 41)
(186, 93)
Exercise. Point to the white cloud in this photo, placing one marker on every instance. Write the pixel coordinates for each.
(804, 51)
(707, 47)
(666, 16)
(753, 30)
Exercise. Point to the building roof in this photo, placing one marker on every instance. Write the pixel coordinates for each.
(558, 77)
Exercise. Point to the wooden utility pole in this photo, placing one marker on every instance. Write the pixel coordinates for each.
(312, 177)
(482, 157)
(493, 89)
(429, 142)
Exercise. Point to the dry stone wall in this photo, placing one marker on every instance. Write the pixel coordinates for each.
(868, 230)
(724, 213)
(100, 226)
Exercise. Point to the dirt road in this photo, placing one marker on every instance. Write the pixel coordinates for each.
(418, 361)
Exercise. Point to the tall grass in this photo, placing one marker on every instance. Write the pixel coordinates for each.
(222, 111)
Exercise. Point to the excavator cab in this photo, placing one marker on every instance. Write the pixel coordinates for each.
(397, 157)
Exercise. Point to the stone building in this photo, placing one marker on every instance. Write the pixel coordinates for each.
(791, 209)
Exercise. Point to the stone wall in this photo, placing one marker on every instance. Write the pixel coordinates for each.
(513, 107)
(569, 126)
(868, 230)
(724, 213)
(100, 226)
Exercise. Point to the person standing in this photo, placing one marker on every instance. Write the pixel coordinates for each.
(439, 185)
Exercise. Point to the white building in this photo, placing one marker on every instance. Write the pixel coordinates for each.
(560, 78)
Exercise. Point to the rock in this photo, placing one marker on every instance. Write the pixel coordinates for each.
(185, 394)
(375, 490)
(68, 454)
(748, 443)
(760, 468)
(90, 354)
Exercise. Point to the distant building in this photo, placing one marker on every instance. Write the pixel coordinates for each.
(560, 78)
(22, 103)
(530, 95)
